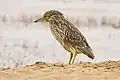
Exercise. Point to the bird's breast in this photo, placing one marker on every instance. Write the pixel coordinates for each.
(57, 32)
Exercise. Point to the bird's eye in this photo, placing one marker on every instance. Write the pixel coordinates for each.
(47, 17)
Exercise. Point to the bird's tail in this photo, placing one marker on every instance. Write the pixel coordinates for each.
(88, 51)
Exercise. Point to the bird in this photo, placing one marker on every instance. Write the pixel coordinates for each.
(69, 36)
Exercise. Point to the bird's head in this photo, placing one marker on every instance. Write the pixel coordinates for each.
(48, 16)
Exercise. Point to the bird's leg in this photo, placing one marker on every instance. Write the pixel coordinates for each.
(71, 55)
(73, 58)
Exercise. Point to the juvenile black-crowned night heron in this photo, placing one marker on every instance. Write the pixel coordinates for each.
(67, 35)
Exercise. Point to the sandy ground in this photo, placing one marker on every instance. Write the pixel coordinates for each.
(109, 70)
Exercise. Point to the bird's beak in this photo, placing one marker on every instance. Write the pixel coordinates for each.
(40, 20)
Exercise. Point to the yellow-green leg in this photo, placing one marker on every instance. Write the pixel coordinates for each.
(71, 55)
(73, 58)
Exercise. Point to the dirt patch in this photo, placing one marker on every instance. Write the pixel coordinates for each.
(109, 70)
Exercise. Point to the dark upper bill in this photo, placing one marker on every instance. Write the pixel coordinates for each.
(40, 20)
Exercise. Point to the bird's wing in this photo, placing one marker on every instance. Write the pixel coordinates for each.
(75, 38)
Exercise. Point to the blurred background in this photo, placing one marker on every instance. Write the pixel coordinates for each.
(23, 42)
